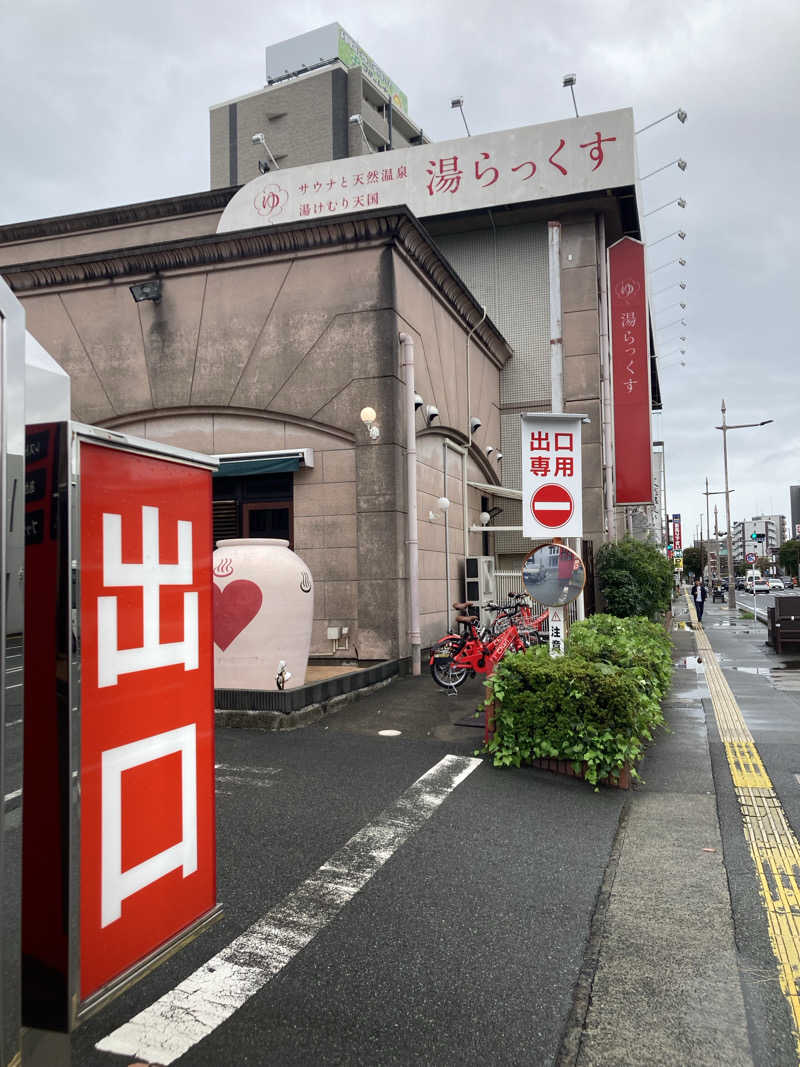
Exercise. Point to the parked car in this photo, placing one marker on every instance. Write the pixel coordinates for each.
(776, 583)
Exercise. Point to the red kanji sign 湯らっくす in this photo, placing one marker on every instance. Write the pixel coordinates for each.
(630, 361)
(147, 743)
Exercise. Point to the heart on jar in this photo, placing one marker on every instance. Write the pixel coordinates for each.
(235, 607)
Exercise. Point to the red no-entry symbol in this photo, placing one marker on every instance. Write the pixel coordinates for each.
(552, 505)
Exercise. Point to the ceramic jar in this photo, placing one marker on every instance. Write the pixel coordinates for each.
(263, 613)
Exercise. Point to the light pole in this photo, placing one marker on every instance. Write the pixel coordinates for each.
(725, 427)
(707, 494)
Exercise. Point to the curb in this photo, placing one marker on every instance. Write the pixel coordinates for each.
(293, 720)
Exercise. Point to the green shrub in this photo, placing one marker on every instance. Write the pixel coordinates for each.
(634, 578)
(596, 706)
(636, 643)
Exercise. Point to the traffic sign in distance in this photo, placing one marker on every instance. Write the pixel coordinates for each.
(552, 505)
(750, 557)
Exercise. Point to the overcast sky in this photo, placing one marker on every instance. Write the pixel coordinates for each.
(104, 103)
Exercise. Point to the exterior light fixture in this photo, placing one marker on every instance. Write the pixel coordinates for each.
(679, 201)
(489, 450)
(474, 424)
(498, 456)
(418, 402)
(444, 504)
(568, 81)
(678, 233)
(681, 164)
(430, 413)
(368, 417)
(150, 290)
(357, 120)
(258, 138)
(680, 113)
(669, 264)
(458, 102)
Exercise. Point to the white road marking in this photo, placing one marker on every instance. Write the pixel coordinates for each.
(389, 733)
(14, 722)
(173, 1024)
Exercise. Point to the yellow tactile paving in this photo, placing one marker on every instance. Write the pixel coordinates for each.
(773, 845)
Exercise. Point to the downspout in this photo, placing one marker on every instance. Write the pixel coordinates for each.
(605, 383)
(412, 536)
(557, 347)
(463, 453)
(469, 441)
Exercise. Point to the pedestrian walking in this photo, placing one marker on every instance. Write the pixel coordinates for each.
(699, 594)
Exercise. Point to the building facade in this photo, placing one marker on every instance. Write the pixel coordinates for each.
(773, 527)
(277, 321)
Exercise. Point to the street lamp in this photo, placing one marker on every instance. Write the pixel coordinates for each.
(725, 427)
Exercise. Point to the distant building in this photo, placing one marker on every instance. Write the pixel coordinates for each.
(794, 502)
(772, 526)
(324, 99)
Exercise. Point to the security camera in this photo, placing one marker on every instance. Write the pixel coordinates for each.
(418, 402)
(257, 138)
(430, 412)
(474, 424)
(485, 516)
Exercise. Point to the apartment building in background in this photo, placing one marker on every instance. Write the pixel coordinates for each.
(772, 526)
(325, 99)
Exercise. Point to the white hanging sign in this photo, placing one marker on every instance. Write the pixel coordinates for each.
(552, 502)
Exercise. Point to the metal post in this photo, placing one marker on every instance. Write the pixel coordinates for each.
(731, 581)
(412, 536)
(708, 528)
(556, 341)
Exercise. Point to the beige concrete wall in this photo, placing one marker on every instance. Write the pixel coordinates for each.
(581, 334)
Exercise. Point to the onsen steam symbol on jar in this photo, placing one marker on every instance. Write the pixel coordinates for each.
(270, 200)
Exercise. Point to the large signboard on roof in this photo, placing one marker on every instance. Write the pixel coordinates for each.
(581, 155)
(323, 45)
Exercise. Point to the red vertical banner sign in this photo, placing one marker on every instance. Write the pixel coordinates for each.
(147, 742)
(630, 362)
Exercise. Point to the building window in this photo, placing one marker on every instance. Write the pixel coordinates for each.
(259, 505)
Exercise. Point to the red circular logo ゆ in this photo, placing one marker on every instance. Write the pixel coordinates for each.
(270, 200)
(552, 505)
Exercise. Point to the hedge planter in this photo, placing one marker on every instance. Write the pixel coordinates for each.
(622, 780)
(588, 714)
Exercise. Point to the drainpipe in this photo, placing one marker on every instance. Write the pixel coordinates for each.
(605, 384)
(462, 452)
(469, 443)
(412, 536)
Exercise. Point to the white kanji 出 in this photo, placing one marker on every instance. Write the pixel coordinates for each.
(150, 575)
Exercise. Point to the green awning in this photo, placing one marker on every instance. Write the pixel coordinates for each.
(240, 468)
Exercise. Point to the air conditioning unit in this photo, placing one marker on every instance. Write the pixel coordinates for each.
(479, 579)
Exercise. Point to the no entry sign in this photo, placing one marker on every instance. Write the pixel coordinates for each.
(551, 475)
(552, 506)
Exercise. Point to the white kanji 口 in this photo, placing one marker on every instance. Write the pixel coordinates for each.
(150, 575)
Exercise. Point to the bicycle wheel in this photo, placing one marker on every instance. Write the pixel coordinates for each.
(444, 672)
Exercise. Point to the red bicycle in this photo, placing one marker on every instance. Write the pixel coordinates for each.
(458, 656)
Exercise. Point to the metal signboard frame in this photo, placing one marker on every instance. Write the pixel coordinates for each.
(552, 462)
(12, 473)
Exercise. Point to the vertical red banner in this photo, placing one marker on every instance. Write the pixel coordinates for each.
(147, 716)
(630, 362)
